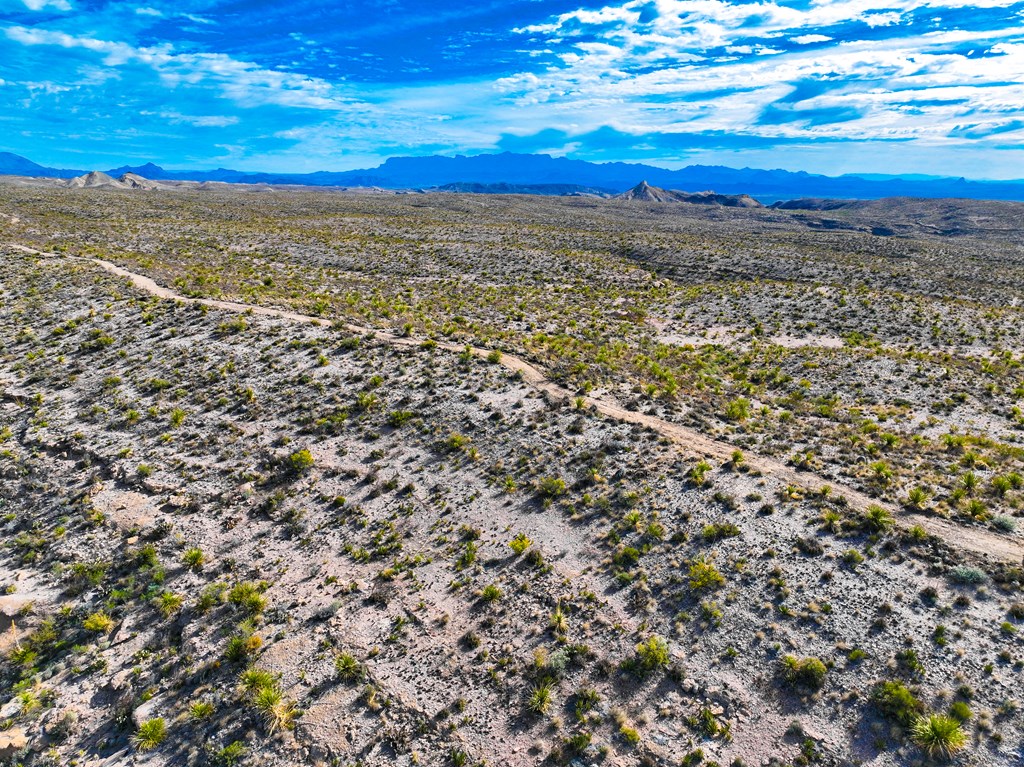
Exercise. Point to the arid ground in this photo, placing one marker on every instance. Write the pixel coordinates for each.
(308, 477)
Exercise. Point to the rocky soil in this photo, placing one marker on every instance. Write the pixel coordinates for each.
(433, 560)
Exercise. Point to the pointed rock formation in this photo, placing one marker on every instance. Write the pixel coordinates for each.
(644, 192)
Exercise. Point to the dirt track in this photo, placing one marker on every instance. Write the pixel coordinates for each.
(976, 541)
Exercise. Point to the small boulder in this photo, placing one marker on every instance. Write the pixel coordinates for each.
(12, 743)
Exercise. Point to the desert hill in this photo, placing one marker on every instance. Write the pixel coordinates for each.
(646, 193)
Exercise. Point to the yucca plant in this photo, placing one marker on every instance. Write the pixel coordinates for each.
(150, 734)
(278, 713)
(540, 699)
(253, 680)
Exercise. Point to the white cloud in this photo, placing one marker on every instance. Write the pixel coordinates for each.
(244, 82)
(199, 121)
(883, 19)
(38, 5)
(906, 84)
(808, 39)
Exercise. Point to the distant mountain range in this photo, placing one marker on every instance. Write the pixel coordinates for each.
(542, 174)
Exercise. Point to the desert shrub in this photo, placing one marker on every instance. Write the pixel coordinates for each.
(705, 576)
(99, 622)
(262, 690)
(960, 711)
(397, 418)
(852, 557)
(242, 646)
(738, 409)
(491, 593)
(278, 712)
(520, 543)
(551, 487)
(540, 699)
(877, 519)
(168, 603)
(698, 474)
(348, 668)
(586, 700)
(194, 559)
(938, 735)
(651, 654)
(804, 672)
(300, 461)
(1005, 523)
(201, 710)
(230, 755)
(150, 734)
(456, 442)
(558, 621)
(719, 531)
(626, 557)
(248, 597)
(894, 701)
(917, 497)
(966, 575)
(810, 546)
(467, 557)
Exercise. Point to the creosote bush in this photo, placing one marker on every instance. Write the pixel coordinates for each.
(651, 654)
(300, 461)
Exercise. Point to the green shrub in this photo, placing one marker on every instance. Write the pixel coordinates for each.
(193, 559)
(938, 735)
(248, 596)
(397, 418)
(201, 710)
(540, 699)
(960, 711)
(300, 461)
(967, 575)
(491, 593)
(348, 668)
(99, 622)
(705, 576)
(894, 701)
(551, 487)
(738, 409)
(698, 474)
(626, 557)
(804, 672)
(719, 531)
(520, 543)
(651, 654)
(230, 755)
(877, 519)
(150, 734)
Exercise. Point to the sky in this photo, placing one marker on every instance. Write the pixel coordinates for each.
(827, 86)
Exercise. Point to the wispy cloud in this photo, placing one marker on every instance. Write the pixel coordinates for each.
(198, 121)
(244, 82)
(38, 5)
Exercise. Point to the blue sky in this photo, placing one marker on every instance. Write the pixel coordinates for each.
(830, 86)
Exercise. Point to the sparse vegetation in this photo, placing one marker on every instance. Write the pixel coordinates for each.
(711, 478)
